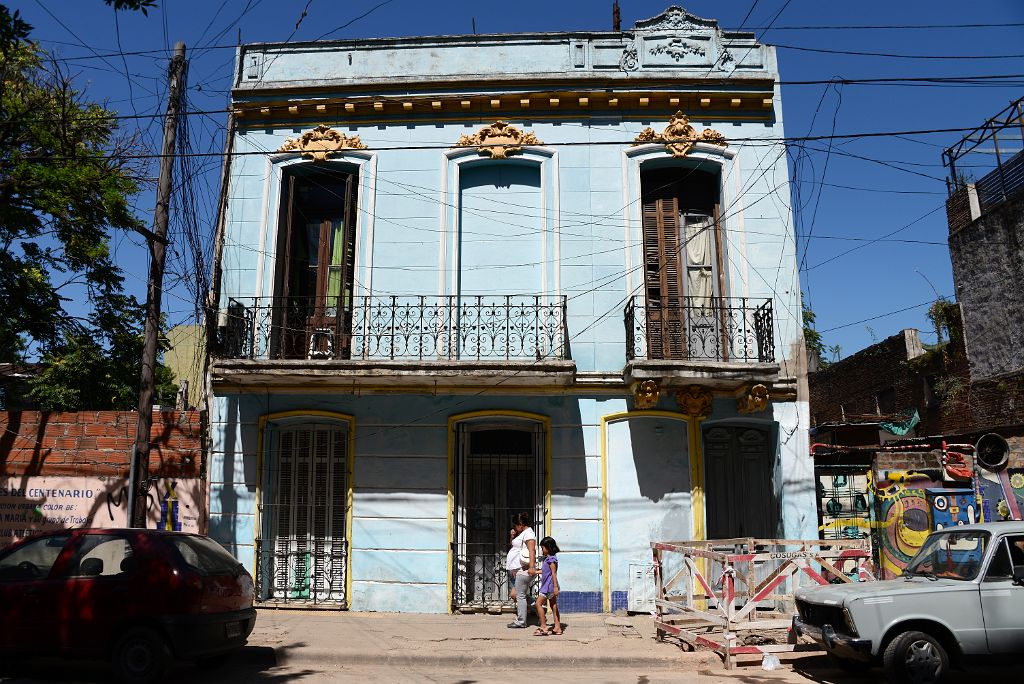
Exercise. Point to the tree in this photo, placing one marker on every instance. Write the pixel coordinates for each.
(66, 177)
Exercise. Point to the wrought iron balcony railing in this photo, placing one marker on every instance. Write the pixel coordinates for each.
(701, 329)
(487, 327)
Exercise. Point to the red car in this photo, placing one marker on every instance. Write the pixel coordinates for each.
(135, 596)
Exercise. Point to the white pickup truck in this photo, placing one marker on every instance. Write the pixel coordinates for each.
(961, 595)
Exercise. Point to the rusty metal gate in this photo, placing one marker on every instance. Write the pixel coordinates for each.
(303, 548)
(500, 470)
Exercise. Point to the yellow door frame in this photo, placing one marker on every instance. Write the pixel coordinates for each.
(299, 414)
(453, 421)
(697, 511)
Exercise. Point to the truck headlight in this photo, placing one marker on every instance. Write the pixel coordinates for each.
(849, 622)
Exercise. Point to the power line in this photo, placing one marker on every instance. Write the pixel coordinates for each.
(879, 27)
(872, 241)
(891, 55)
(767, 140)
(872, 318)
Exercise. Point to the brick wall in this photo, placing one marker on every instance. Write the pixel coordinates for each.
(937, 383)
(903, 461)
(96, 443)
(850, 386)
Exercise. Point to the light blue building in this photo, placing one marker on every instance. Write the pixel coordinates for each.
(465, 276)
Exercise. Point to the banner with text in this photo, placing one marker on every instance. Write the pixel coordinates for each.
(29, 505)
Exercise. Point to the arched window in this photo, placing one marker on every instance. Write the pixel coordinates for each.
(682, 255)
(316, 259)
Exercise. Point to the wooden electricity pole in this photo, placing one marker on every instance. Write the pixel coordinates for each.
(157, 249)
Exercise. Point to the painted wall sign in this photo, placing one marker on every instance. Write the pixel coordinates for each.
(29, 505)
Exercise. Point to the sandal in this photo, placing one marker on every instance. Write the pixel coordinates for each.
(540, 632)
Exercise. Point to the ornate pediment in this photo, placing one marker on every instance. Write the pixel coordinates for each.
(754, 400)
(679, 136)
(694, 401)
(498, 140)
(675, 18)
(646, 394)
(321, 142)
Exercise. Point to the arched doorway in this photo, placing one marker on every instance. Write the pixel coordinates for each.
(499, 470)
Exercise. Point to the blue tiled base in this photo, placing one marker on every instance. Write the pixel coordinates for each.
(590, 601)
(581, 602)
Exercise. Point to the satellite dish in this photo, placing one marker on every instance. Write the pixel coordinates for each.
(992, 452)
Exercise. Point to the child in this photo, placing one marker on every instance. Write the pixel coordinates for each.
(548, 587)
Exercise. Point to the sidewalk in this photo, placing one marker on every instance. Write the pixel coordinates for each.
(339, 639)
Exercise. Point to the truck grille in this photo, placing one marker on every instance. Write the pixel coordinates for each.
(819, 615)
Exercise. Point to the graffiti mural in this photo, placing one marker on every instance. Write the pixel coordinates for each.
(1002, 494)
(951, 507)
(903, 515)
(843, 500)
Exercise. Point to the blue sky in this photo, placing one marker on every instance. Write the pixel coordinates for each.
(858, 190)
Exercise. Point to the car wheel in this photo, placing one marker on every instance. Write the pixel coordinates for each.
(140, 655)
(915, 658)
(850, 665)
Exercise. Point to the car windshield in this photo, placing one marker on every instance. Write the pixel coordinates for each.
(205, 556)
(950, 555)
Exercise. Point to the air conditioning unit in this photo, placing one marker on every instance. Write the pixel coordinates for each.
(641, 588)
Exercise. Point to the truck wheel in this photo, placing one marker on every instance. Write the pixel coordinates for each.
(915, 658)
(140, 655)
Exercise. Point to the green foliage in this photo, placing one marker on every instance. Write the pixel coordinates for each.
(814, 341)
(81, 373)
(943, 314)
(949, 388)
(12, 28)
(65, 185)
(140, 5)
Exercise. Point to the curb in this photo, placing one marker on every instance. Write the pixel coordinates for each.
(496, 660)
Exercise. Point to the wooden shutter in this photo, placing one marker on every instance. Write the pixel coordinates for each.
(663, 275)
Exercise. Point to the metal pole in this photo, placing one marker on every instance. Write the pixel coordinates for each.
(157, 250)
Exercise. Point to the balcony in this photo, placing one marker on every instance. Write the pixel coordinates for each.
(715, 341)
(392, 340)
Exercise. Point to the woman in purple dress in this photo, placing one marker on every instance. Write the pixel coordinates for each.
(548, 588)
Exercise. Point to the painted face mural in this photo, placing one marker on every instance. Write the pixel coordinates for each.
(903, 513)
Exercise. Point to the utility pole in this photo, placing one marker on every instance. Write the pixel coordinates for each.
(157, 250)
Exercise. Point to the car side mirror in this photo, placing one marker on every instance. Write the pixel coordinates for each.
(1018, 575)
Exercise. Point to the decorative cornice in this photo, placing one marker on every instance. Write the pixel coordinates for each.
(646, 394)
(321, 142)
(679, 136)
(753, 400)
(694, 401)
(498, 140)
(675, 18)
(677, 49)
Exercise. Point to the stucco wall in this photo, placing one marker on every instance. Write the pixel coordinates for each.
(988, 269)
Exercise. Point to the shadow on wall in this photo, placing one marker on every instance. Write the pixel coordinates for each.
(223, 527)
(661, 456)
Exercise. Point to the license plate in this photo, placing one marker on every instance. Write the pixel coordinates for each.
(233, 629)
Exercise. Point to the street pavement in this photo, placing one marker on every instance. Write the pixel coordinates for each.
(322, 646)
